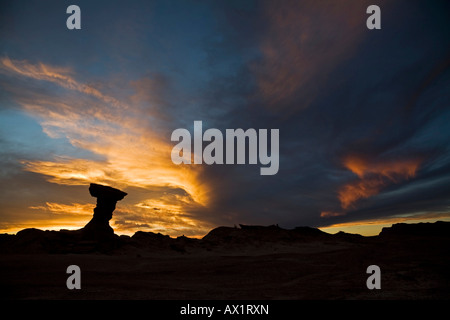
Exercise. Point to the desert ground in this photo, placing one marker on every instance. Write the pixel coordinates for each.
(224, 267)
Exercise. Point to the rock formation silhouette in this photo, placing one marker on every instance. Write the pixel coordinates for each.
(107, 197)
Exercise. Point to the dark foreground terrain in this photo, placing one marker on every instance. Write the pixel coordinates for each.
(230, 263)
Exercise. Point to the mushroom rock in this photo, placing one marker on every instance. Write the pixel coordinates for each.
(107, 197)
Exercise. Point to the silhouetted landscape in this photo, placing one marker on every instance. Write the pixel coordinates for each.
(246, 262)
(230, 263)
(243, 132)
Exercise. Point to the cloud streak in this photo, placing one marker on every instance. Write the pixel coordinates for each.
(304, 42)
(57, 75)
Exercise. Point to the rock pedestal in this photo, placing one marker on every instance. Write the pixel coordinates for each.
(107, 197)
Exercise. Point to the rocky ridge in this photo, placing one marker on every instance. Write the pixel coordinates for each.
(219, 239)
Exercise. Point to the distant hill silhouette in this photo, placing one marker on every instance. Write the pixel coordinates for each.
(222, 238)
(439, 228)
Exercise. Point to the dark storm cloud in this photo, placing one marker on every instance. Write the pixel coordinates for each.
(362, 94)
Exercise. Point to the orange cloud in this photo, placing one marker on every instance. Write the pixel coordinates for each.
(357, 165)
(365, 188)
(405, 168)
(374, 176)
(74, 208)
(129, 151)
(326, 214)
(167, 214)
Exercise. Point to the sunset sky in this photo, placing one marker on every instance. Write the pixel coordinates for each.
(364, 115)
